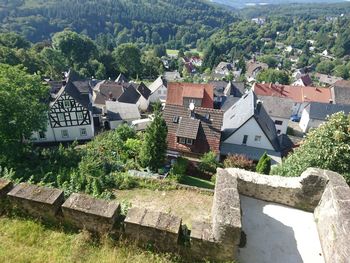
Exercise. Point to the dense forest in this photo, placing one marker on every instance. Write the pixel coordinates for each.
(176, 22)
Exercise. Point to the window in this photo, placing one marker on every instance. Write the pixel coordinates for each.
(182, 140)
(189, 141)
(64, 134)
(66, 104)
(245, 139)
(159, 92)
(80, 115)
(278, 131)
(232, 116)
(176, 119)
(60, 116)
(257, 138)
(83, 132)
(42, 135)
(278, 122)
(207, 116)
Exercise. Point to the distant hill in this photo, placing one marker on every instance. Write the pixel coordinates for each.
(247, 3)
(147, 21)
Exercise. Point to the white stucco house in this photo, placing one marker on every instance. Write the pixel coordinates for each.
(70, 113)
(158, 90)
(248, 130)
(316, 113)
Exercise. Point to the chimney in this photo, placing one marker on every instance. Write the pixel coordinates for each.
(258, 106)
(110, 96)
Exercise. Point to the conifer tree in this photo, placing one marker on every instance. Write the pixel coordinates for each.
(264, 164)
(153, 151)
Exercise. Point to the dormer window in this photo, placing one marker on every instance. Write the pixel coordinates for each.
(66, 104)
(186, 141)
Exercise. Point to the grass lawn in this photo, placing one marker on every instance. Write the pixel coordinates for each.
(189, 205)
(172, 52)
(194, 181)
(30, 242)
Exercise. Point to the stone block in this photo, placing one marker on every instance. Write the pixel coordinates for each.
(37, 201)
(226, 214)
(332, 216)
(5, 187)
(149, 227)
(86, 212)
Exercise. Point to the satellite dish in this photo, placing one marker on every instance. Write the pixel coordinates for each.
(192, 106)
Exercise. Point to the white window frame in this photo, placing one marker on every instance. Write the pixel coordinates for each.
(80, 115)
(67, 104)
(182, 140)
(83, 132)
(60, 117)
(189, 141)
(63, 134)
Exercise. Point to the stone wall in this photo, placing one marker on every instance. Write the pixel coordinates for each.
(332, 217)
(42, 202)
(160, 230)
(302, 192)
(215, 241)
(89, 213)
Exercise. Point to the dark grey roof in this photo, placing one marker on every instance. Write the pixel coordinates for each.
(341, 95)
(122, 111)
(245, 109)
(130, 94)
(83, 86)
(74, 92)
(277, 107)
(320, 111)
(106, 89)
(252, 153)
(237, 89)
(143, 90)
(228, 102)
(121, 79)
(188, 128)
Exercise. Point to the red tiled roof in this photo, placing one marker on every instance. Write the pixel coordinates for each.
(177, 91)
(296, 93)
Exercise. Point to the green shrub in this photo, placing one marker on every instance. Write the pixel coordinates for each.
(124, 181)
(213, 179)
(239, 161)
(208, 163)
(264, 164)
(179, 168)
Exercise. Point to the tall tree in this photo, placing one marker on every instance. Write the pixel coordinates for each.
(128, 59)
(22, 107)
(78, 49)
(153, 152)
(327, 147)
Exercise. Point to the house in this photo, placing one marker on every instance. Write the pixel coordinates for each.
(279, 110)
(182, 94)
(223, 90)
(341, 92)
(188, 65)
(196, 61)
(316, 113)
(158, 90)
(118, 113)
(301, 96)
(248, 130)
(304, 80)
(224, 68)
(259, 21)
(123, 92)
(253, 69)
(121, 79)
(327, 80)
(172, 76)
(192, 131)
(70, 112)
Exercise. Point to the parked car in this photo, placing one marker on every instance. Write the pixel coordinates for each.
(295, 118)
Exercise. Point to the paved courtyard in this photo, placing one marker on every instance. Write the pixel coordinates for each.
(278, 234)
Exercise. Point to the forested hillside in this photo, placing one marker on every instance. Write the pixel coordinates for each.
(178, 22)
